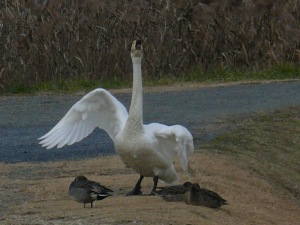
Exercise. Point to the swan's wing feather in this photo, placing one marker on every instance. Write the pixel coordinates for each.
(96, 109)
(174, 140)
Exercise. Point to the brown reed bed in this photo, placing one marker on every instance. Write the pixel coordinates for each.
(57, 40)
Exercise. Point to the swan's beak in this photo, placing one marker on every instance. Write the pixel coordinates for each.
(137, 48)
(138, 45)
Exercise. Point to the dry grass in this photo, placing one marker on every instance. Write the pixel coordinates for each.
(255, 167)
(60, 40)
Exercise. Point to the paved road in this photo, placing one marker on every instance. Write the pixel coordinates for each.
(25, 118)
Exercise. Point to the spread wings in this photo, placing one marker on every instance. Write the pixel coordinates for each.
(96, 109)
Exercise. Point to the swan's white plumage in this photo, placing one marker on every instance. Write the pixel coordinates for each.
(175, 140)
(96, 109)
(148, 149)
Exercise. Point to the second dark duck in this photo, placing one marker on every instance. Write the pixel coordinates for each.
(203, 197)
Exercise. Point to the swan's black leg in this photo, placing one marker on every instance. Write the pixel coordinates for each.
(155, 181)
(137, 189)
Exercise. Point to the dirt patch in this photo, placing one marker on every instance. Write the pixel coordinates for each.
(43, 199)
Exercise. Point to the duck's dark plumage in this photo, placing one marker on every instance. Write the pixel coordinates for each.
(174, 193)
(201, 196)
(87, 191)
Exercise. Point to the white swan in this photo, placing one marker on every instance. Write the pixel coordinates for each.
(148, 149)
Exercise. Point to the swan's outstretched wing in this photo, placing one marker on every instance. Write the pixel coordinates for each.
(96, 109)
(174, 140)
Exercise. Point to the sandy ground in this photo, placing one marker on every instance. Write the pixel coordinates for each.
(37, 193)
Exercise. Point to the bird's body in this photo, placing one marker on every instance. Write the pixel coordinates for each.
(174, 193)
(148, 149)
(203, 197)
(87, 191)
(144, 153)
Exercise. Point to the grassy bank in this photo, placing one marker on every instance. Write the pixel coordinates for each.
(269, 145)
(196, 75)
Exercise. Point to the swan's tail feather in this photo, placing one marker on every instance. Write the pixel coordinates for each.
(175, 140)
(186, 166)
(191, 172)
(184, 149)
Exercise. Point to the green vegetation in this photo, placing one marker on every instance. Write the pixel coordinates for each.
(68, 86)
(198, 75)
(285, 71)
(269, 144)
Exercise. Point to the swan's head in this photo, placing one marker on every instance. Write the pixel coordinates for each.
(136, 49)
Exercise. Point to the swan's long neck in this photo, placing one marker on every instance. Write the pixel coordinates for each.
(135, 118)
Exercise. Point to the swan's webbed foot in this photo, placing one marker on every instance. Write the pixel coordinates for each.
(137, 189)
(152, 193)
(134, 191)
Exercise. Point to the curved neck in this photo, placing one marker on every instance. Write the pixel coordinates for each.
(135, 117)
